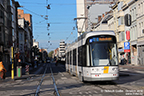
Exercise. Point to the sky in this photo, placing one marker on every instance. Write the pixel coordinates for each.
(60, 17)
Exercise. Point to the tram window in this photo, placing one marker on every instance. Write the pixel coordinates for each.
(67, 58)
(80, 56)
(84, 55)
(70, 57)
(74, 57)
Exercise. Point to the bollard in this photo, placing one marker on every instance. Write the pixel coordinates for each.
(27, 69)
(19, 71)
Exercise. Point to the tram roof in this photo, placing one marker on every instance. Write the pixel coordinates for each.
(95, 33)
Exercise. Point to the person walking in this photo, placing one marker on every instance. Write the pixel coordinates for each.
(2, 68)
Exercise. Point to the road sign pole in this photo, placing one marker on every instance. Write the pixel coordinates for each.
(12, 71)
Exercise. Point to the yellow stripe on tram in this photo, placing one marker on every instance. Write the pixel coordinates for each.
(106, 69)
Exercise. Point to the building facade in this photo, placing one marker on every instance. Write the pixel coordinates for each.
(88, 11)
(28, 33)
(6, 31)
(140, 31)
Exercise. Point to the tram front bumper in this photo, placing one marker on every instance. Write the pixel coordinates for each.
(101, 79)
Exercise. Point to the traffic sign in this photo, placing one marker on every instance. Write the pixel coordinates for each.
(126, 47)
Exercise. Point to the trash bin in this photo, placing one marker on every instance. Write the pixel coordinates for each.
(19, 71)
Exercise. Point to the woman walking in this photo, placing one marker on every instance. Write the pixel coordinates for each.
(2, 68)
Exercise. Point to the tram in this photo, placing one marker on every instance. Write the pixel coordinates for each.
(93, 56)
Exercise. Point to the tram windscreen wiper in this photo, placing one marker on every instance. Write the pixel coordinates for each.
(109, 63)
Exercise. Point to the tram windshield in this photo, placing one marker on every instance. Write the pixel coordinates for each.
(103, 53)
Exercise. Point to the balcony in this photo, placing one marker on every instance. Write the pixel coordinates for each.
(62, 44)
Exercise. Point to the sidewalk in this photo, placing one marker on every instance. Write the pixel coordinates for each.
(24, 76)
(132, 67)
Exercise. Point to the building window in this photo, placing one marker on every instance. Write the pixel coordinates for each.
(21, 37)
(120, 6)
(135, 13)
(19, 16)
(0, 33)
(139, 30)
(142, 7)
(121, 36)
(136, 31)
(138, 9)
(121, 20)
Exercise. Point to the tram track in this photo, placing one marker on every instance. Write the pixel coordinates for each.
(44, 78)
(107, 87)
(38, 88)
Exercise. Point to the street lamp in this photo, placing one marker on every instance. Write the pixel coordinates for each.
(83, 22)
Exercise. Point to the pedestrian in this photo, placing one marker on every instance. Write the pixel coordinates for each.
(2, 69)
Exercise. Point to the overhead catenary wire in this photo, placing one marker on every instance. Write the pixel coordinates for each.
(31, 11)
(53, 3)
(46, 21)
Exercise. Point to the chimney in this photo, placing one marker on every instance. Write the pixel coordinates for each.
(99, 18)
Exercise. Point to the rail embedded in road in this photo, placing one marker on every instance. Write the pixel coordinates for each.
(56, 90)
(38, 88)
(55, 87)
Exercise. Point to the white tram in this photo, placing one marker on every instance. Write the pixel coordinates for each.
(93, 57)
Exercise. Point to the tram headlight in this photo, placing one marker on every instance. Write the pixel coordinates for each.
(115, 69)
(95, 69)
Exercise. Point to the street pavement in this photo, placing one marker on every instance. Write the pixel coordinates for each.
(70, 85)
(132, 68)
(126, 67)
(23, 74)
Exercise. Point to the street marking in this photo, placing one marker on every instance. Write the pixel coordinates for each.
(63, 78)
(95, 91)
(139, 71)
(80, 92)
(61, 73)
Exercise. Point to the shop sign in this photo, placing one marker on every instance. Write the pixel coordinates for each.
(120, 50)
(128, 35)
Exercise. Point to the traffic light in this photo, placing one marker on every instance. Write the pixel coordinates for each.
(127, 18)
